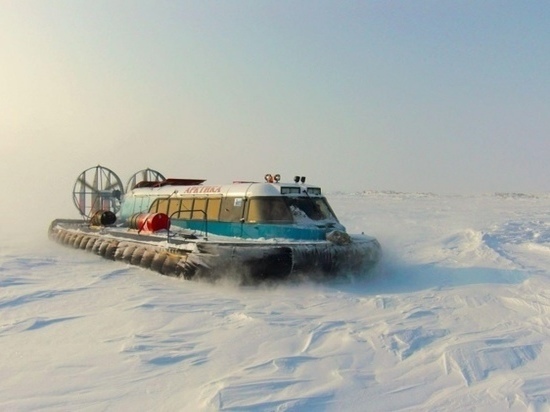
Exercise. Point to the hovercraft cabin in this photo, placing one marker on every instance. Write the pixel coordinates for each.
(243, 209)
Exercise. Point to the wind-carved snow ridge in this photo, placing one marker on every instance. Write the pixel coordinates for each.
(515, 240)
(408, 341)
(475, 362)
(469, 246)
(498, 246)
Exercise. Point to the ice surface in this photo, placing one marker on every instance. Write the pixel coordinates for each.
(456, 317)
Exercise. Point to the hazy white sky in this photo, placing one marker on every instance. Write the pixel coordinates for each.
(441, 96)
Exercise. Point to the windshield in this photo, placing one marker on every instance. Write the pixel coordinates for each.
(289, 209)
(268, 210)
(314, 208)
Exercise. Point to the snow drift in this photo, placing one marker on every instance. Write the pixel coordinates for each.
(456, 316)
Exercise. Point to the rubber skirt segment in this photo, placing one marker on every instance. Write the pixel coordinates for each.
(158, 261)
(137, 255)
(147, 258)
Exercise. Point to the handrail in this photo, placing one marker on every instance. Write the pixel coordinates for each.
(192, 211)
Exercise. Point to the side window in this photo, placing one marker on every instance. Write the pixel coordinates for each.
(213, 208)
(138, 202)
(232, 209)
(199, 209)
(145, 203)
(173, 207)
(159, 206)
(185, 209)
(269, 210)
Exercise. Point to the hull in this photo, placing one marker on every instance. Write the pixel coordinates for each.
(185, 255)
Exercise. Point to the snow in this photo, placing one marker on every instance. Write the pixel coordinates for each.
(455, 317)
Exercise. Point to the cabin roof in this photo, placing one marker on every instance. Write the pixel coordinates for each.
(237, 189)
(169, 182)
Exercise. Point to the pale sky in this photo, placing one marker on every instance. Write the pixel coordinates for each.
(431, 96)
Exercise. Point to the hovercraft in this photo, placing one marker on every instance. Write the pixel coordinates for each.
(182, 227)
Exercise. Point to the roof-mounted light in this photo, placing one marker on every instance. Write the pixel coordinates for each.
(269, 178)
